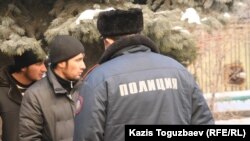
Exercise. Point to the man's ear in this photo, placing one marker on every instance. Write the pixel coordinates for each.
(107, 42)
(23, 69)
(61, 64)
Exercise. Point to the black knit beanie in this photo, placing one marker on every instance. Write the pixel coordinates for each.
(26, 59)
(64, 47)
(120, 22)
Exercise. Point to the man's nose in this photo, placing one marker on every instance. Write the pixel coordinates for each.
(44, 69)
(83, 66)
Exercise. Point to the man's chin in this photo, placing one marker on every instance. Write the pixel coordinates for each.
(76, 78)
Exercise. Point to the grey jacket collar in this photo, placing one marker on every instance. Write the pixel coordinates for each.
(57, 87)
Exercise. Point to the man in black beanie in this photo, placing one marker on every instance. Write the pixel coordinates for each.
(28, 67)
(48, 107)
(134, 84)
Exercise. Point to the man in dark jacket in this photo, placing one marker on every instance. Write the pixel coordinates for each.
(134, 84)
(48, 107)
(14, 80)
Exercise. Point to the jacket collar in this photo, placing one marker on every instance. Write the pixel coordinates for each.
(7, 81)
(57, 87)
(127, 43)
(4, 79)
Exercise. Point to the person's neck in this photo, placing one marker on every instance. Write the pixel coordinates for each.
(67, 84)
(18, 76)
(60, 74)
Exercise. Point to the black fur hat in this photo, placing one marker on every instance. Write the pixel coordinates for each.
(120, 22)
(23, 52)
(28, 58)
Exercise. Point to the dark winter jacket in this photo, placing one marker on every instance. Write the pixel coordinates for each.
(135, 85)
(10, 101)
(47, 111)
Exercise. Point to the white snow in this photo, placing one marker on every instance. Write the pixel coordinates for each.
(181, 29)
(191, 15)
(89, 14)
(226, 15)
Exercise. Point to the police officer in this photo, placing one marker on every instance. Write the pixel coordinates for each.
(134, 84)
